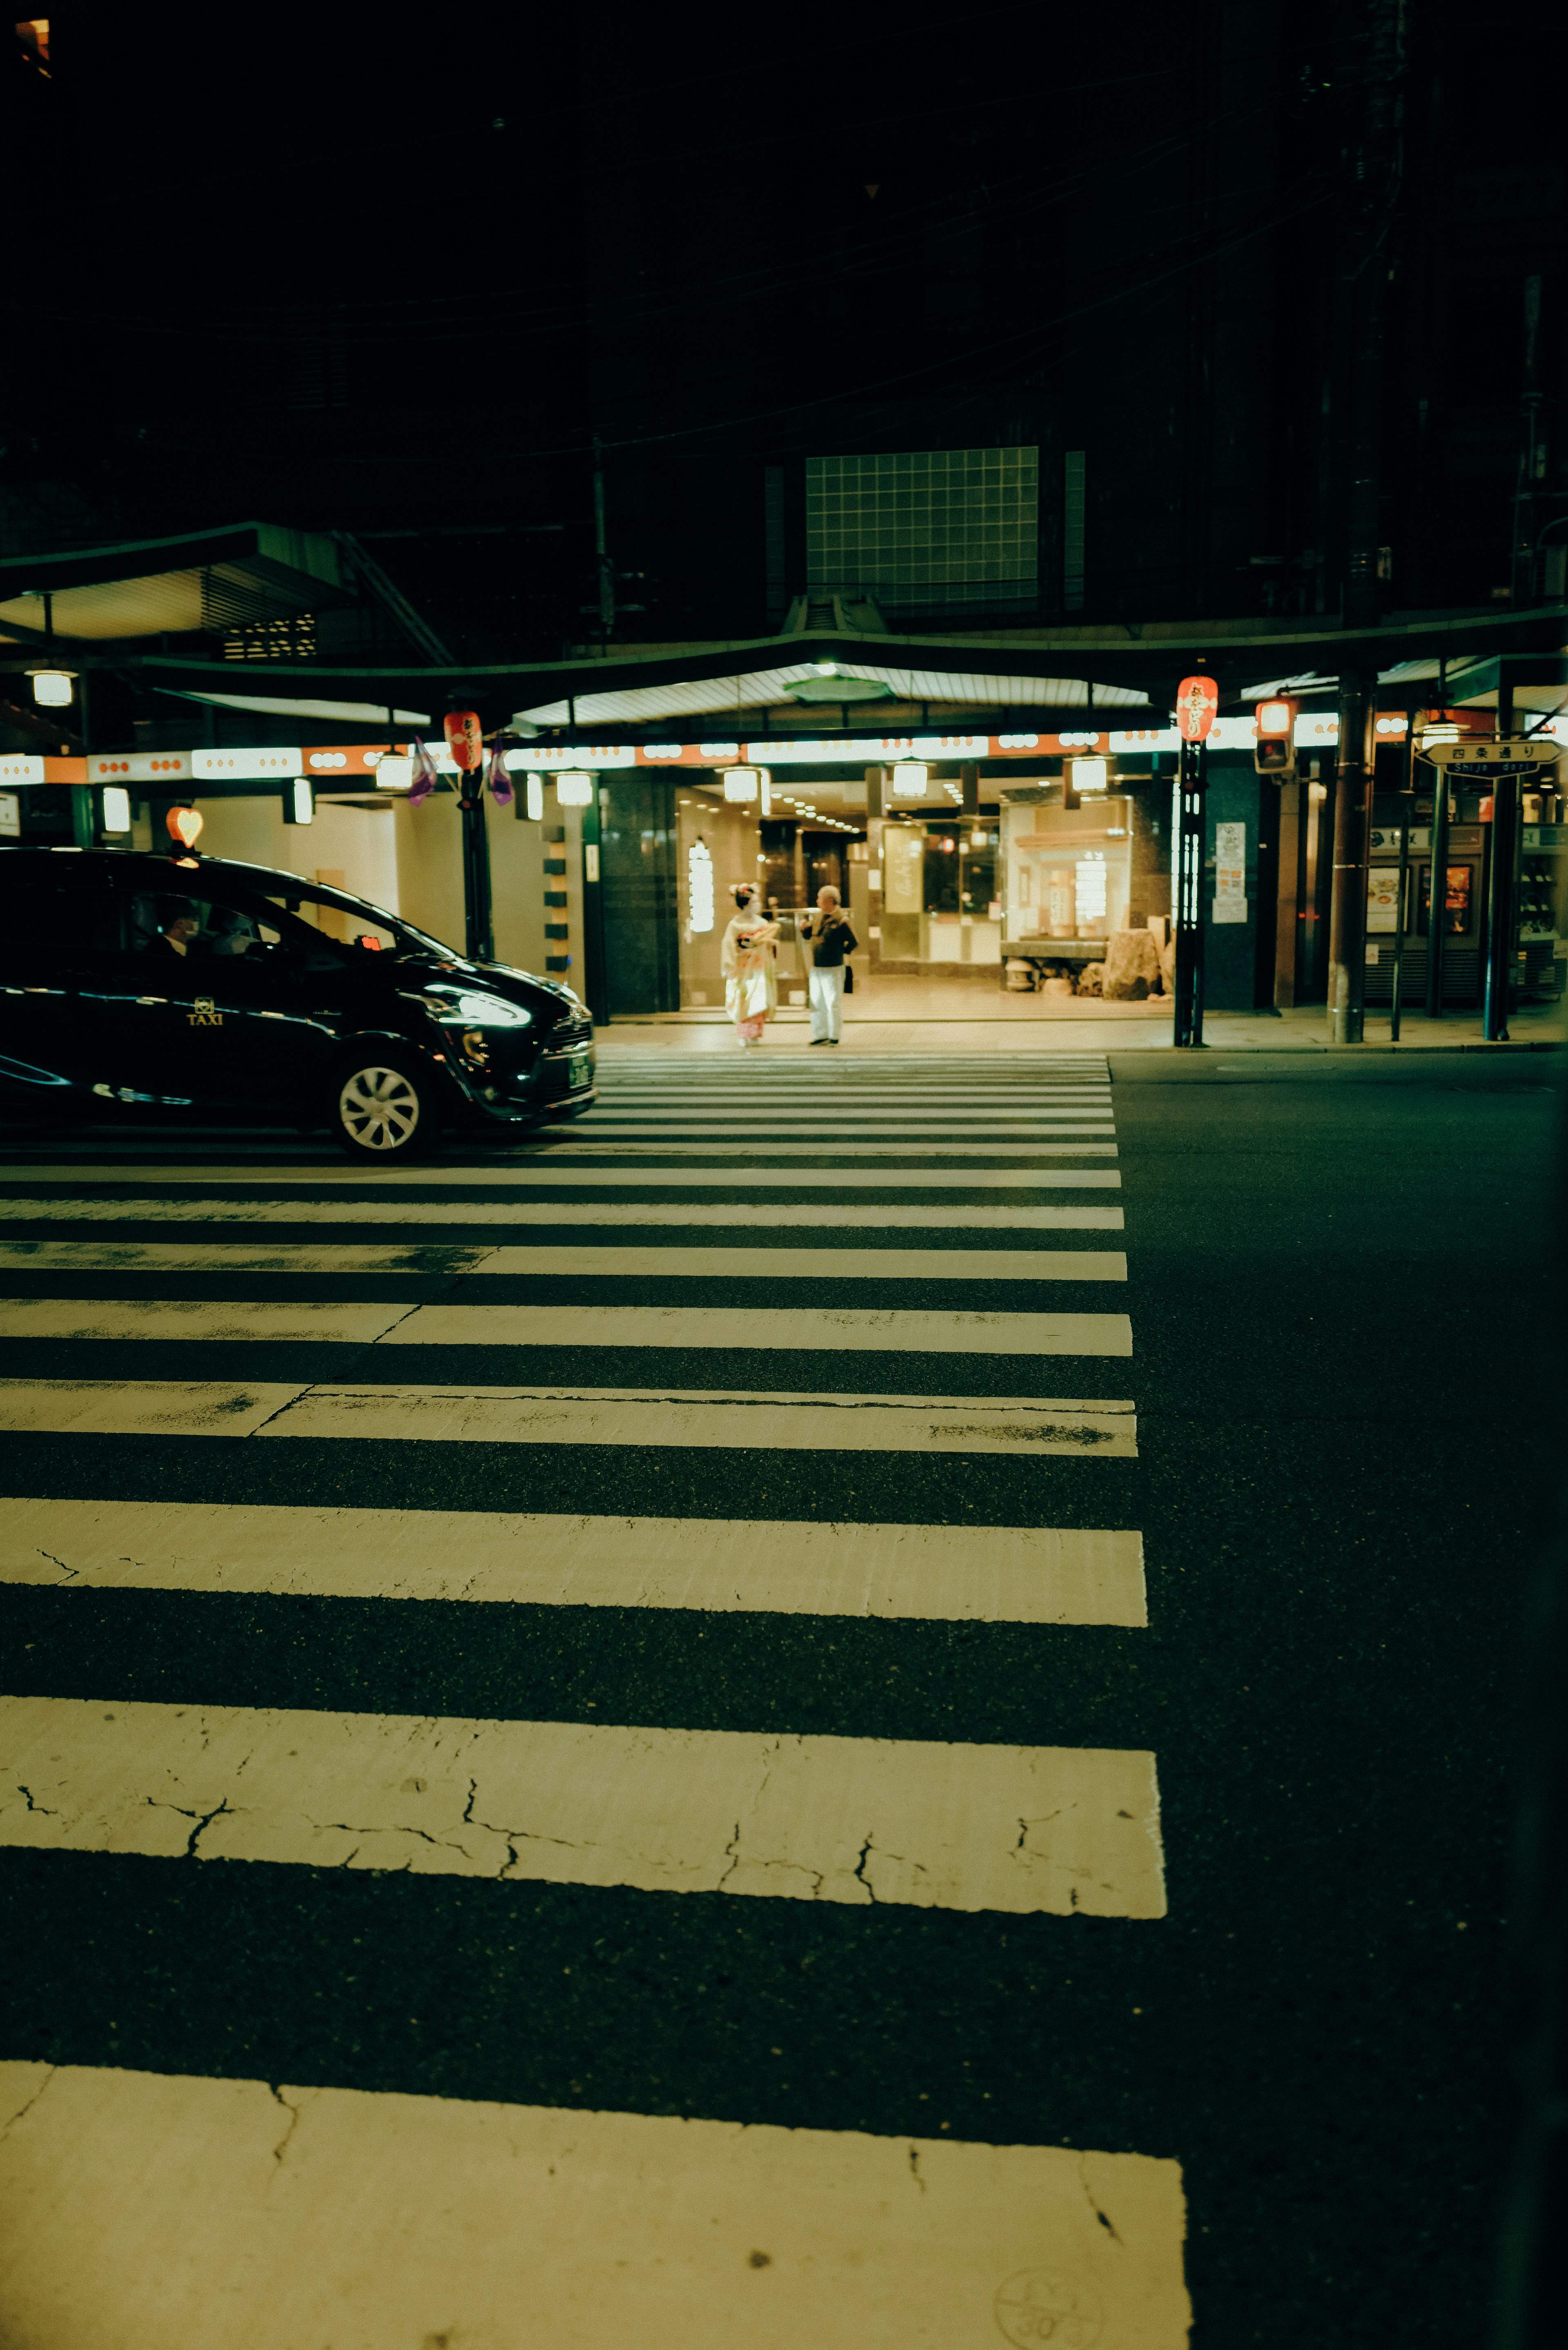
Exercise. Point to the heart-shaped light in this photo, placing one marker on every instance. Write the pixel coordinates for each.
(185, 826)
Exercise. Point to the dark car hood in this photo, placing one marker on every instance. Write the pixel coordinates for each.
(550, 1005)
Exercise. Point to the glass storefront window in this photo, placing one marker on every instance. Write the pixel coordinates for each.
(1066, 872)
(938, 891)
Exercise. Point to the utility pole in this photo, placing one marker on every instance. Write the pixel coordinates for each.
(601, 551)
(1197, 705)
(1352, 839)
(1499, 895)
(1192, 796)
(1531, 456)
(1375, 160)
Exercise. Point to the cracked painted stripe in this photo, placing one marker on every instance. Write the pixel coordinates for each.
(762, 1422)
(505, 1178)
(699, 1214)
(548, 1259)
(833, 1423)
(195, 1318)
(1013, 1575)
(828, 1329)
(913, 1823)
(290, 2215)
(141, 1407)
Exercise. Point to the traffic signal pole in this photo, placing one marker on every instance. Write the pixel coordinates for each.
(1188, 893)
(478, 944)
(1352, 841)
(1501, 893)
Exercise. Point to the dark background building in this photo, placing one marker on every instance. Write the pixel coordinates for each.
(1010, 317)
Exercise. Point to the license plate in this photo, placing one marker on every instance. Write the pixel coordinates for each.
(578, 1074)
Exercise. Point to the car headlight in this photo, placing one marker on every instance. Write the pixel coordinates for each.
(480, 1011)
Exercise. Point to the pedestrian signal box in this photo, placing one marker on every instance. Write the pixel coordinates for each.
(1275, 751)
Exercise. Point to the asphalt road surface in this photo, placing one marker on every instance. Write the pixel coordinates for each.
(855, 1703)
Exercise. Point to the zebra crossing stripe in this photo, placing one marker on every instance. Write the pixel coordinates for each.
(508, 1176)
(819, 1328)
(914, 1823)
(516, 1214)
(734, 1145)
(854, 1128)
(552, 1415)
(290, 2214)
(555, 1259)
(816, 1329)
(986, 1575)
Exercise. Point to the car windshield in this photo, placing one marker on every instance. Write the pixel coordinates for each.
(320, 925)
(353, 921)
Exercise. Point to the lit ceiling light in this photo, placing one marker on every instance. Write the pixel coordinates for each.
(116, 808)
(1091, 775)
(394, 772)
(909, 781)
(575, 791)
(52, 688)
(742, 784)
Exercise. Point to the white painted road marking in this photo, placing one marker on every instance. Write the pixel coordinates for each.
(1029, 1426)
(990, 1575)
(1066, 1830)
(814, 1328)
(193, 1318)
(290, 2215)
(553, 1261)
(698, 1215)
(507, 1174)
(834, 1329)
(661, 1130)
(737, 1145)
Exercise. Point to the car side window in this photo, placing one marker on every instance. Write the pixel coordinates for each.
(349, 925)
(57, 925)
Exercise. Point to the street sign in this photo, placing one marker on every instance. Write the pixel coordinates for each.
(1516, 755)
(1196, 706)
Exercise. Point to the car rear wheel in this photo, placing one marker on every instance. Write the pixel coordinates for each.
(382, 1112)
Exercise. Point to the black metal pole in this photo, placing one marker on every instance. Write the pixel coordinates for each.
(1187, 894)
(1438, 894)
(1352, 839)
(596, 975)
(1499, 895)
(1406, 810)
(477, 944)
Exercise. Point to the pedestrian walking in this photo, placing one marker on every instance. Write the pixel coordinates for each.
(828, 938)
(746, 960)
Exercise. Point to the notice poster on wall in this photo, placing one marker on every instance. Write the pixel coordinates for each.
(1383, 900)
(1229, 873)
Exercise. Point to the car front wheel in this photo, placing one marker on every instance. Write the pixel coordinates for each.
(382, 1112)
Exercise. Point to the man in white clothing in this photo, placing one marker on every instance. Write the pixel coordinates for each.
(828, 937)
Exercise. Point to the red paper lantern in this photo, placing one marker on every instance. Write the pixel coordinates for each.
(1197, 705)
(465, 739)
(184, 826)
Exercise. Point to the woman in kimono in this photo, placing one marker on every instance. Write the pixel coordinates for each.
(746, 960)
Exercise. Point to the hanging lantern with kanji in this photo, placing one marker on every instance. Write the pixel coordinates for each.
(1197, 705)
(464, 740)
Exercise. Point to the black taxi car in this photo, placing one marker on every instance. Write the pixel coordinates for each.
(145, 987)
